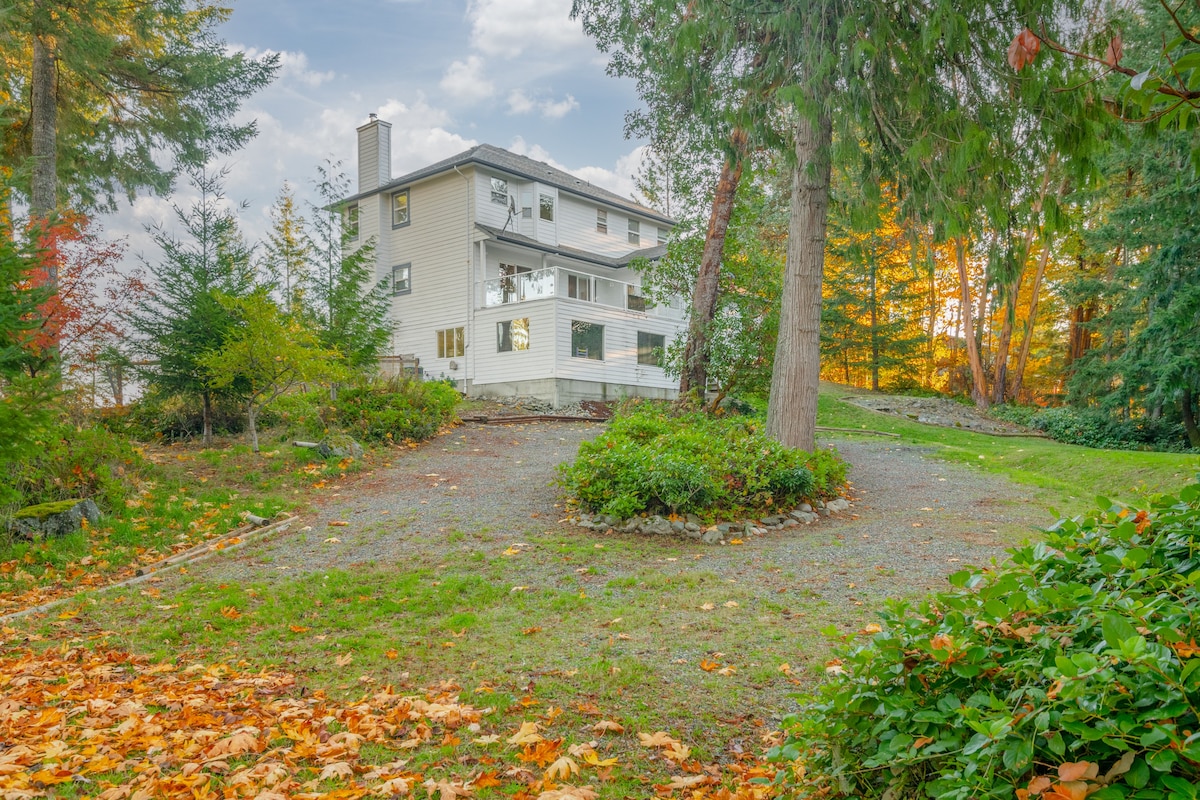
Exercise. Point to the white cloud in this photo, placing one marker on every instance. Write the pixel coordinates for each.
(293, 65)
(519, 102)
(464, 81)
(508, 28)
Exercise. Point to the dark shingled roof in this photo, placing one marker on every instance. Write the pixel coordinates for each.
(511, 237)
(487, 155)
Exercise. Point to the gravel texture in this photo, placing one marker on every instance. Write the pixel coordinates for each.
(913, 519)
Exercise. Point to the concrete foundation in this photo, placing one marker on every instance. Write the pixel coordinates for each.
(565, 391)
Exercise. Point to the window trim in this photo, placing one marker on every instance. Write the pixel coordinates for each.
(656, 360)
(663, 235)
(352, 221)
(601, 221)
(407, 267)
(458, 342)
(574, 351)
(500, 197)
(542, 207)
(512, 348)
(407, 209)
(635, 231)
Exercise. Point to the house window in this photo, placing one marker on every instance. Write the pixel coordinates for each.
(633, 300)
(451, 343)
(650, 348)
(402, 279)
(509, 282)
(527, 213)
(500, 191)
(662, 235)
(400, 209)
(512, 335)
(587, 340)
(601, 220)
(579, 287)
(352, 220)
(635, 232)
(546, 207)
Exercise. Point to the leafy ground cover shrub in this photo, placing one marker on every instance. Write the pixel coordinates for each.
(1096, 427)
(658, 458)
(1072, 672)
(72, 462)
(394, 409)
(176, 418)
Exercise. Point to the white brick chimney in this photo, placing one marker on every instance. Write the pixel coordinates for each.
(374, 154)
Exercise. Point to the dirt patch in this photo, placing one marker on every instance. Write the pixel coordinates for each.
(938, 411)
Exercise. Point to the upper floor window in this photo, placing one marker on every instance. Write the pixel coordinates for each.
(601, 220)
(400, 209)
(500, 191)
(352, 220)
(662, 235)
(635, 232)
(546, 207)
(402, 279)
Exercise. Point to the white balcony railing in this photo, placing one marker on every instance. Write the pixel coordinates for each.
(559, 282)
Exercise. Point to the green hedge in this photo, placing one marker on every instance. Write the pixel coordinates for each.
(394, 409)
(1081, 652)
(655, 457)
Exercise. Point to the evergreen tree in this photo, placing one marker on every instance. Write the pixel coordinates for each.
(348, 300)
(185, 320)
(288, 252)
(111, 87)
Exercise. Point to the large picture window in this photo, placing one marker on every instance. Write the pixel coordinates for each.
(587, 340)
(451, 343)
(650, 348)
(512, 334)
(402, 279)
(400, 209)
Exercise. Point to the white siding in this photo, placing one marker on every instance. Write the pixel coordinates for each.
(437, 243)
(489, 213)
(620, 346)
(521, 365)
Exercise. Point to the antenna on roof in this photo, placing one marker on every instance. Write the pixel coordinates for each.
(512, 214)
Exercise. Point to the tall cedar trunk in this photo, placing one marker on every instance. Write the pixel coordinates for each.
(694, 376)
(207, 413)
(874, 288)
(1000, 373)
(43, 195)
(1189, 418)
(1027, 338)
(796, 377)
(978, 382)
(1080, 338)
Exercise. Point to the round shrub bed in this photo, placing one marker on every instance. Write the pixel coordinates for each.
(656, 458)
(1072, 672)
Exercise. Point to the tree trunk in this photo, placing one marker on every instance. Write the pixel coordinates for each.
(1027, 337)
(694, 376)
(796, 377)
(207, 412)
(1000, 373)
(978, 382)
(1080, 338)
(43, 195)
(1189, 418)
(251, 415)
(874, 289)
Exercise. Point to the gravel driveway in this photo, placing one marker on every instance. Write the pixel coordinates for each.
(914, 520)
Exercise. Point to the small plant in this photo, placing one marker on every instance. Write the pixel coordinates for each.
(394, 409)
(1074, 671)
(660, 458)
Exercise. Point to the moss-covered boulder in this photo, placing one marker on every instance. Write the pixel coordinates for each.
(54, 519)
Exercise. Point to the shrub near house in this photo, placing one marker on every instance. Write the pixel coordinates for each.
(659, 458)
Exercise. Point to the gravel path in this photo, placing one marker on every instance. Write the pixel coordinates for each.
(914, 520)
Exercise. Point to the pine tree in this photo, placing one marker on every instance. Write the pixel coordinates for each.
(185, 320)
(348, 301)
(288, 252)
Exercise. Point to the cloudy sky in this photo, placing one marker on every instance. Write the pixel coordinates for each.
(448, 74)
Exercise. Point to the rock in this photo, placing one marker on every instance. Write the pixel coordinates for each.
(820, 504)
(694, 534)
(808, 518)
(823, 511)
(805, 507)
(691, 527)
(725, 527)
(838, 505)
(678, 526)
(771, 521)
(54, 519)
(657, 526)
(790, 523)
(693, 519)
(339, 446)
(712, 536)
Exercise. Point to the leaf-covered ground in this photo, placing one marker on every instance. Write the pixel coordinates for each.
(87, 721)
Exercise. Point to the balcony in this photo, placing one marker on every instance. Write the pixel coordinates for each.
(564, 283)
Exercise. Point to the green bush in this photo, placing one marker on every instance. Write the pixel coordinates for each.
(71, 462)
(301, 415)
(394, 409)
(659, 458)
(1082, 651)
(177, 418)
(1097, 427)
